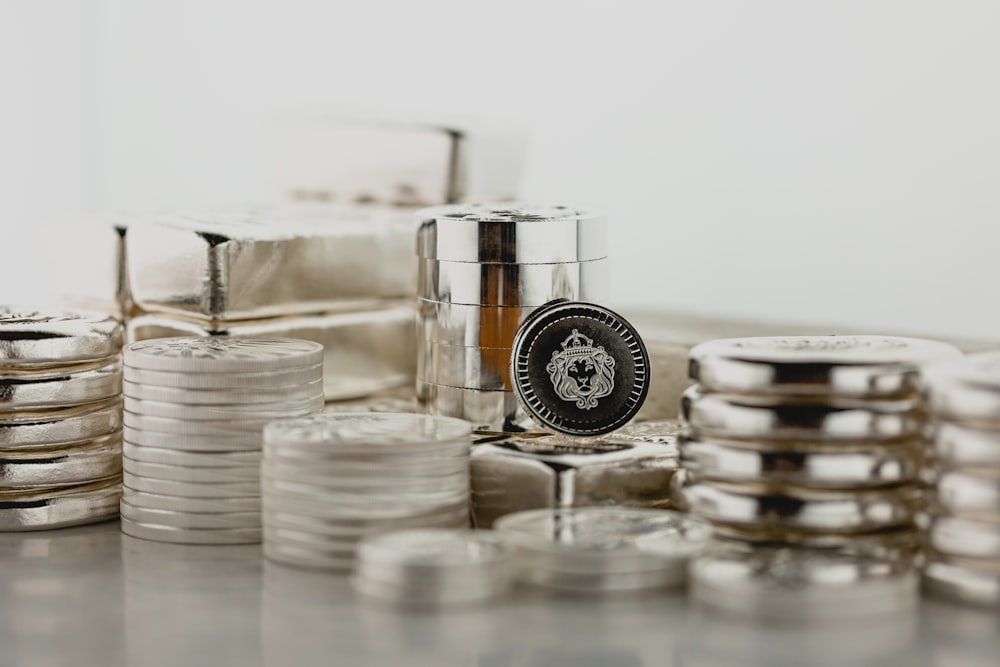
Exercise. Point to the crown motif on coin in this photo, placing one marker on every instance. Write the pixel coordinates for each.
(578, 345)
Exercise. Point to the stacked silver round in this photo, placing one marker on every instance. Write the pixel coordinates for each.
(810, 447)
(603, 549)
(961, 528)
(432, 567)
(195, 410)
(331, 479)
(483, 269)
(60, 419)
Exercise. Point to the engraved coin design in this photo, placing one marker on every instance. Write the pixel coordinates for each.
(579, 368)
(221, 354)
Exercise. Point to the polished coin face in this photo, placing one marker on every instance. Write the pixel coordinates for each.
(966, 390)
(30, 339)
(24, 391)
(579, 368)
(866, 366)
(222, 354)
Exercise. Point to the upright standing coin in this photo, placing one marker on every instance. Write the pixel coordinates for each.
(579, 368)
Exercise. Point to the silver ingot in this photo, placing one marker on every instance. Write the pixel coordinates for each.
(364, 352)
(232, 266)
(797, 508)
(761, 417)
(957, 445)
(967, 493)
(461, 325)
(497, 411)
(59, 507)
(841, 465)
(67, 387)
(794, 584)
(56, 428)
(962, 583)
(953, 536)
(161, 533)
(78, 464)
(467, 367)
(966, 390)
(29, 339)
(861, 366)
(511, 233)
(512, 284)
(517, 474)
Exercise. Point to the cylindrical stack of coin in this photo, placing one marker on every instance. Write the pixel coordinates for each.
(330, 479)
(195, 409)
(807, 443)
(961, 527)
(60, 419)
(484, 268)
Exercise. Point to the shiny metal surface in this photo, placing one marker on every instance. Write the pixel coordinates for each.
(364, 352)
(57, 428)
(78, 464)
(30, 339)
(470, 326)
(959, 445)
(863, 366)
(22, 391)
(246, 395)
(797, 508)
(966, 390)
(234, 410)
(842, 465)
(517, 474)
(511, 233)
(173, 534)
(953, 536)
(969, 493)
(513, 284)
(222, 354)
(497, 411)
(46, 508)
(961, 583)
(773, 418)
(469, 367)
(192, 473)
(234, 266)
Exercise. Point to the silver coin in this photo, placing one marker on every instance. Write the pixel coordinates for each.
(179, 457)
(225, 397)
(192, 520)
(266, 381)
(216, 444)
(511, 233)
(192, 489)
(840, 466)
(644, 539)
(190, 535)
(216, 474)
(72, 388)
(315, 510)
(891, 542)
(560, 579)
(222, 354)
(967, 493)
(475, 283)
(202, 427)
(47, 508)
(759, 417)
(77, 465)
(216, 412)
(797, 508)
(312, 558)
(386, 466)
(420, 594)
(966, 390)
(958, 445)
(57, 428)
(964, 584)
(360, 501)
(468, 367)
(862, 366)
(496, 411)
(31, 339)
(362, 432)
(434, 549)
(182, 504)
(796, 584)
(459, 325)
(967, 538)
(348, 481)
(662, 432)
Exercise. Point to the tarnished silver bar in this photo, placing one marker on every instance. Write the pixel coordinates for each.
(513, 284)
(365, 351)
(271, 261)
(511, 233)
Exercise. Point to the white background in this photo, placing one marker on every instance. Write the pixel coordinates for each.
(808, 161)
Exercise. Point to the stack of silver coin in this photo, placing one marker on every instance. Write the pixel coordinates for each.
(60, 419)
(483, 269)
(432, 567)
(195, 409)
(603, 549)
(330, 479)
(962, 524)
(809, 445)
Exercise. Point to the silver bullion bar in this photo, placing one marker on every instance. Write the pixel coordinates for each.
(511, 233)
(31, 339)
(397, 161)
(232, 266)
(844, 465)
(470, 326)
(364, 352)
(513, 284)
(76, 465)
(25, 391)
(966, 493)
(797, 508)
(759, 417)
(487, 410)
(953, 536)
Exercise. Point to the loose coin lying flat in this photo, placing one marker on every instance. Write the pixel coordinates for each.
(31, 339)
(72, 388)
(48, 508)
(861, 366)
(222, 354)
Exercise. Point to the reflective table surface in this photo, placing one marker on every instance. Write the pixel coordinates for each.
(90, 596)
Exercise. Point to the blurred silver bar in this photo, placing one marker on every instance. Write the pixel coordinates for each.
(271, 261)
(513, 284)
(469, 326)
(365, 351)
(399, 162)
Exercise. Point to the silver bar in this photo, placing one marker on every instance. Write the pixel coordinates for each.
(513, 284)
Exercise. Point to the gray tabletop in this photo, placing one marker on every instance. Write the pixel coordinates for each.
(90, 596)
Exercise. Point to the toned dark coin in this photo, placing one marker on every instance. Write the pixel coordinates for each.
(579, 368)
